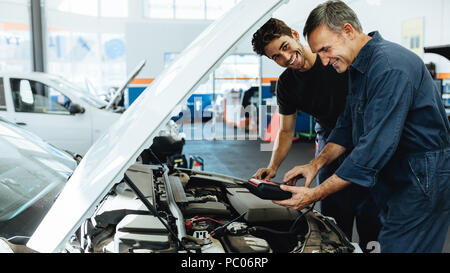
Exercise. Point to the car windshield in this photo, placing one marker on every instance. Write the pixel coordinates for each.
(29, 169)
(79, 92)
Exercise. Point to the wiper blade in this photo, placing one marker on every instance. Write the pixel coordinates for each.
(77, 157)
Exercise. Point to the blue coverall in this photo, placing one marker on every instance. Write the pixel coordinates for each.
(354, 204)
(400, 134)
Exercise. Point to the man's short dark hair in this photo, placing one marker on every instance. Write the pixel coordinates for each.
(333, 14)
(271, 30)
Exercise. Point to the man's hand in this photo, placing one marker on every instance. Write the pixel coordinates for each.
(308, 171)
(265, 173)
(301, 197)
(281, 148)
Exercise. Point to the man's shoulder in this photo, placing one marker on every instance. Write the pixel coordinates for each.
(289, 78)
(289, 74)
(389, 56)
(293, 76)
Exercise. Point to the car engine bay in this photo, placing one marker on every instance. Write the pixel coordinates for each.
(157, 210)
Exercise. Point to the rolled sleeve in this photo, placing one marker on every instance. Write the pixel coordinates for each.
(351, 171)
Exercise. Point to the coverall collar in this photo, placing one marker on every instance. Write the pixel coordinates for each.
(362, 60)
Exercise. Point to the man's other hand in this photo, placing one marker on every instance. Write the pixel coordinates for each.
(308, 171)
(301, 197)
(265, 173)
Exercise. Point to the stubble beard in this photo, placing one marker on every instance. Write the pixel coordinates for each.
(301, 54)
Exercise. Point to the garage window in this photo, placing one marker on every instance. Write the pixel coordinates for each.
(114, 8)
(216, 8)
(2, 96)
(15, 43)
(187, 9)
(83, 7)
(35, 97)
(237, 72)
(160, 9)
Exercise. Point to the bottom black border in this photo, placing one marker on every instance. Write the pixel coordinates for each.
(222, 262)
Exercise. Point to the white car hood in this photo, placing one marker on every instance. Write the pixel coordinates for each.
(107, 160)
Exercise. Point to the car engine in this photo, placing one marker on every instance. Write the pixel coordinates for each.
(157, 210)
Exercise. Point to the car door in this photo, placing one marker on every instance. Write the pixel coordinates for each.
(6, 107)
(3, 108)
(44, 110)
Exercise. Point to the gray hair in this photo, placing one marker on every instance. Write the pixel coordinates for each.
(333, 14)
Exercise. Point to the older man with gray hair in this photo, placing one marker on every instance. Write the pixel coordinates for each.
(395, 126)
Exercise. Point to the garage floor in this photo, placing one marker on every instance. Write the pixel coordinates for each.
(242, 158)
(238, 153)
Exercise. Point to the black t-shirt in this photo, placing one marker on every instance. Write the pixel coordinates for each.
(320, 92)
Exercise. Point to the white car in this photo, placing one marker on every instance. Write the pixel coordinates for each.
(113, 204)
(56, 110)
(29, 169)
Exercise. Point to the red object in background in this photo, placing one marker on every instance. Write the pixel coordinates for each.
(273, 128)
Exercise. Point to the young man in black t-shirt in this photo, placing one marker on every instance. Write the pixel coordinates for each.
(308, 86)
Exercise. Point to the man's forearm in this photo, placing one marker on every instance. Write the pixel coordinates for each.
(330, 153)
(305, 196)
(281, 148)
(333, 184)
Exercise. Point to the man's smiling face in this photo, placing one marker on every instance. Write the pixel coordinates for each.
(332, 48)
(287, 52)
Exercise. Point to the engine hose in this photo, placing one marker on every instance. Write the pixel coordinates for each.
(269, 230)
(291, 229)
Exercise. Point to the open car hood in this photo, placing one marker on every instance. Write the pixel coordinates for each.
(106, 162)
(119, 93)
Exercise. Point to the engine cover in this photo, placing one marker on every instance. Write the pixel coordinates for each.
(258, 210)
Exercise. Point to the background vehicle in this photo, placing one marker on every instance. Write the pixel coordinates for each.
(58, 111)
(29, 169)
(54, 109)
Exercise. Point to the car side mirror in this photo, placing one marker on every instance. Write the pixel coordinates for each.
(76, 109)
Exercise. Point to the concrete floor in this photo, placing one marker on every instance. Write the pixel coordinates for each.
(242, 158)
